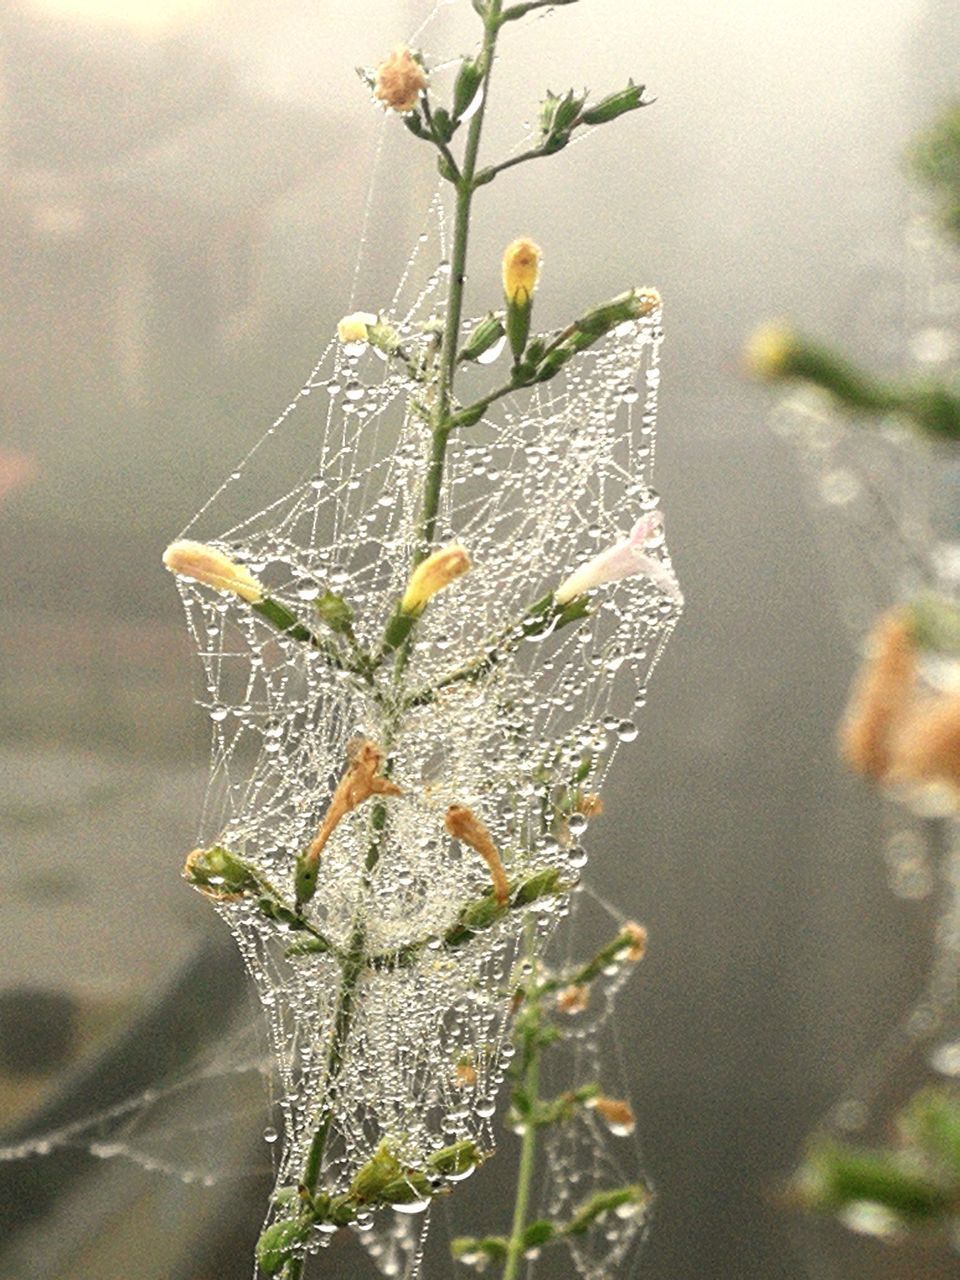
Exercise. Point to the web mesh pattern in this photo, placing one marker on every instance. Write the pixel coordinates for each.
(547, 480)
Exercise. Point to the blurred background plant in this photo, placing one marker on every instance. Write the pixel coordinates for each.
(885, 1162)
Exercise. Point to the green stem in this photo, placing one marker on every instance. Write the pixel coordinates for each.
(466, 187)
(528, 1156)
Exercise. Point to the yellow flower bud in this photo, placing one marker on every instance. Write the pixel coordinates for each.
(768, 351)
(432, 575)
(206, 564)
(355, 327)
(400, 80)
(521, 270)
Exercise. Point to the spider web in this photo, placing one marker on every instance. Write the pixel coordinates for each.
(544, 482)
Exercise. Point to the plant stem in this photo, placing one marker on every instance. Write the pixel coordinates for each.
(454, 314)
(528, 1154)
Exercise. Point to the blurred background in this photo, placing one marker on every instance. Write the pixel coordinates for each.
(182, 189)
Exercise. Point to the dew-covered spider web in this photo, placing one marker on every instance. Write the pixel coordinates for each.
(518, 724)
(548, 479)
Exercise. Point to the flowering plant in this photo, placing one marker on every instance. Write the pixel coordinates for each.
(428, 689)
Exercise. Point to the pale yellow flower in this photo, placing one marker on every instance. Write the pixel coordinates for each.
(768, 351)
(400, 80)
(206, 564)
(433, 574)
(521, 270)
(356, 327)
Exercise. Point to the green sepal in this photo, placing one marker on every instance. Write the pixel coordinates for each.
(518, 324)
(408, 1188)
(443, 126)
(616, 104)
(382, 1169)
(398, 628)
(335, 612)
(559, 114)
(470, 416)
(467, 84)
(495, 1248)
(309, 947)
(538, 1233)
(482, 336)
(456, 1159)
(279, 616)
(414, 122)
(280, 1242)
(603, 1202)
(544, 884)
(220, 870)
(275, 910)
(305, 876)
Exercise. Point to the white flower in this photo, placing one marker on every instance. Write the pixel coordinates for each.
(625, 559)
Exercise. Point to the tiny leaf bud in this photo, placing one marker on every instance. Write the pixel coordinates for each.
(616, 104)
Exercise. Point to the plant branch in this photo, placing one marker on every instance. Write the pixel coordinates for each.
(438, 140)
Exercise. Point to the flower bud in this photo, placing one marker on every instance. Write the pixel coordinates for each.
(335, 612)
(400, 80)
(380, 1170)
(467, 85)
(456, 1160)
(521, 270)
(558, 116)
(356, 327)
(431, 575)
(218, 873)
(482, 337)
(202, 563)
(775, 353)
(616, 104)
(280, 1242)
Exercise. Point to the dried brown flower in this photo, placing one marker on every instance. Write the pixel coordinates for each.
(400, 80)
(589, 804)
(927, 748)
(881, 696)
(573, 999)
(638, 945)
(361, 780)
(616, 1114)
(464, 825)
